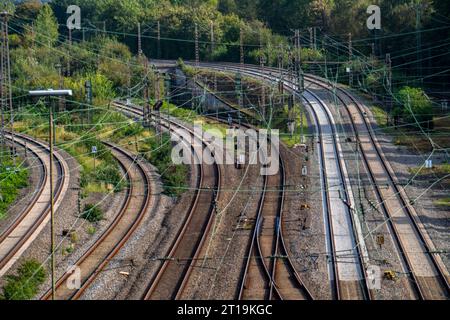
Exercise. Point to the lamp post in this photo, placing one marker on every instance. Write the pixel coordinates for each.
(51, 93)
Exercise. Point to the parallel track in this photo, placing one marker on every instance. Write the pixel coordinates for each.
(27, 225)
(352, 289)
(172, 277)
(433, 282)
(133, 210)
(425, 288)
(269, 273)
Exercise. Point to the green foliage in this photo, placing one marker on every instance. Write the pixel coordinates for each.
(46, 27)
(416, 108)
(8, 5)
(102, 87)
(24, 285)
(174, 176)
(91, 230)
(110, 174)
(12, 179)
(92, 213)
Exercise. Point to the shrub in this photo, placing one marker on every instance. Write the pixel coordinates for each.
(110, 174)
(11, 181)
(92, 213)
(415, 105)
(24, 285)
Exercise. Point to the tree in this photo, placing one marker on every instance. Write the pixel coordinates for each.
(46, 27)
(416, 108)
(28, 9)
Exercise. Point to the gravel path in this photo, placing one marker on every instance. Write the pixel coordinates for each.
(304, 226)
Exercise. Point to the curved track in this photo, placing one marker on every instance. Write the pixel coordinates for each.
(346, 263)
(173, 275)
(429, 276)
(133, 210)
(30, 222)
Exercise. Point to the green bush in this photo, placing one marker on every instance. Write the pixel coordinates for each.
(12, 179)
(92, 213)
(416, 108)
(24, 285)
(174, 176)
(109, 173)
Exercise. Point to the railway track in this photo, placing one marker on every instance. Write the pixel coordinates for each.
(172, 276)
(347, 268)
(427, 273)
(279, 278)
(269, 273)
(429, 277)
(133, 210)
(346, 260)
(18, 236)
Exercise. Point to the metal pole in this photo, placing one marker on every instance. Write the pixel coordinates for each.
(241, 41)
(52, 213)
(212, 41)
(159, 40)
(139, 40)
(2, 89)
(197, 53)
(68, 56)
(350, 56)
(8, 71)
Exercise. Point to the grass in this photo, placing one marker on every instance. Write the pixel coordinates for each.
(280, 123)
(25, 284)
(380, 116)
(445, 202)
(12, 179)
(439, 170)
(138, 140)
(174, 176)
(192, 117)
(98, 171)
(413, 138)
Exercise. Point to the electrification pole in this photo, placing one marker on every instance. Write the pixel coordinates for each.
(197, 53)
(61, 84)
(146, 110)
(158, 26)
(68, 55)
(350, 56)
(241, 41)
(419, 38)
(389, 85)
(139, 40)
(262, 61)
(6, 88)
(212, 41)
(300, 80)
(51, 93)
